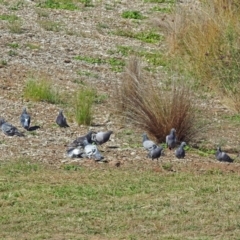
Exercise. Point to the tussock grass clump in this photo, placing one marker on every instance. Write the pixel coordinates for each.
(83, 101)
(205, 38)
(153, 107)
(41, 90)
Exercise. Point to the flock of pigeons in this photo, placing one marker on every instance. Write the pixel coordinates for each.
(86, 146)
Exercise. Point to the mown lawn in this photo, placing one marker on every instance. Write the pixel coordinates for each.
(74, 202)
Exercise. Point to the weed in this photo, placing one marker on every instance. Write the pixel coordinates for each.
(49, 25)
(160, 1)
(204, 38)
(101, 98)
(17, 5)
(144, 36)
(91, 60)
(87, 73)
(13, 45)
(41, 90)
(162, 9)
(87, 3)
(132, 15)
(58, 4)
(116, 64)
(3, 62)
(9, 18)
(12, 53)
(154, 108)
(15, 27)
(83, 105)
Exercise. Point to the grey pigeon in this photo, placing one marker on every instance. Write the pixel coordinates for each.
(61, 120)
(171, 139)
(155, 152)
(148, 144)
(180, 152)
(222, 156)
(8, 129)
(92, 151)
(75, 152)
(79, 141)
(101, 137)
(25, 119)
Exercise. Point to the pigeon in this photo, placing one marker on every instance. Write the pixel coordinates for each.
(180, 152)
(25, 119)
(79, 141)
(75, 152)
(101, 137)
(148, 144)
(8, 129)
(61, 120)
(171, 139)
(91, 151)
(222, 156)
(155, 152)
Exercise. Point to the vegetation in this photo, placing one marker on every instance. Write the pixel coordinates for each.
(45, 202)
(205, 39)
(132, 15)
(83, 104)
(41, 90)
(155, 108)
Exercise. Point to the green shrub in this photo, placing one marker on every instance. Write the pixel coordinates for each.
(83, 101)
(132, 15)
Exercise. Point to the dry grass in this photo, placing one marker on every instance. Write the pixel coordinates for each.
(204, 37)
(155, 108)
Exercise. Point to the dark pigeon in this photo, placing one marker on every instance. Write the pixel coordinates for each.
(180, 152)
(222, 156)
(155, 152)
(25, 119)
(92, 151)
(79, 141)
(61, 120)
(8, 129)
(171, 139)
(148, 144)
(101, 137)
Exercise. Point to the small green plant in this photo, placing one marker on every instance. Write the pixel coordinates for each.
(116, 64)
(41, 90)
(59, 4)
(15, 27)
(9, 18)
(91, 60)
(12, 53)
(132, 15)
(83, 105)
(145, 36)
(49, 25)
(3, 62)
(13, 45)
(162, 9)
(87, 73)
(87, 3)
(167, 166)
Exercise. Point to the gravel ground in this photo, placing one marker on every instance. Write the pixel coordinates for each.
(86, 32)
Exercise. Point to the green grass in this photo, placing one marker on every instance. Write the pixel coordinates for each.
(49, 25)
(83, 103)
(13, 45)
(144, 36)
(115, 63)
(9, 18)
(59, 4)
(74, 202)
(41, 90)
(132, 15)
